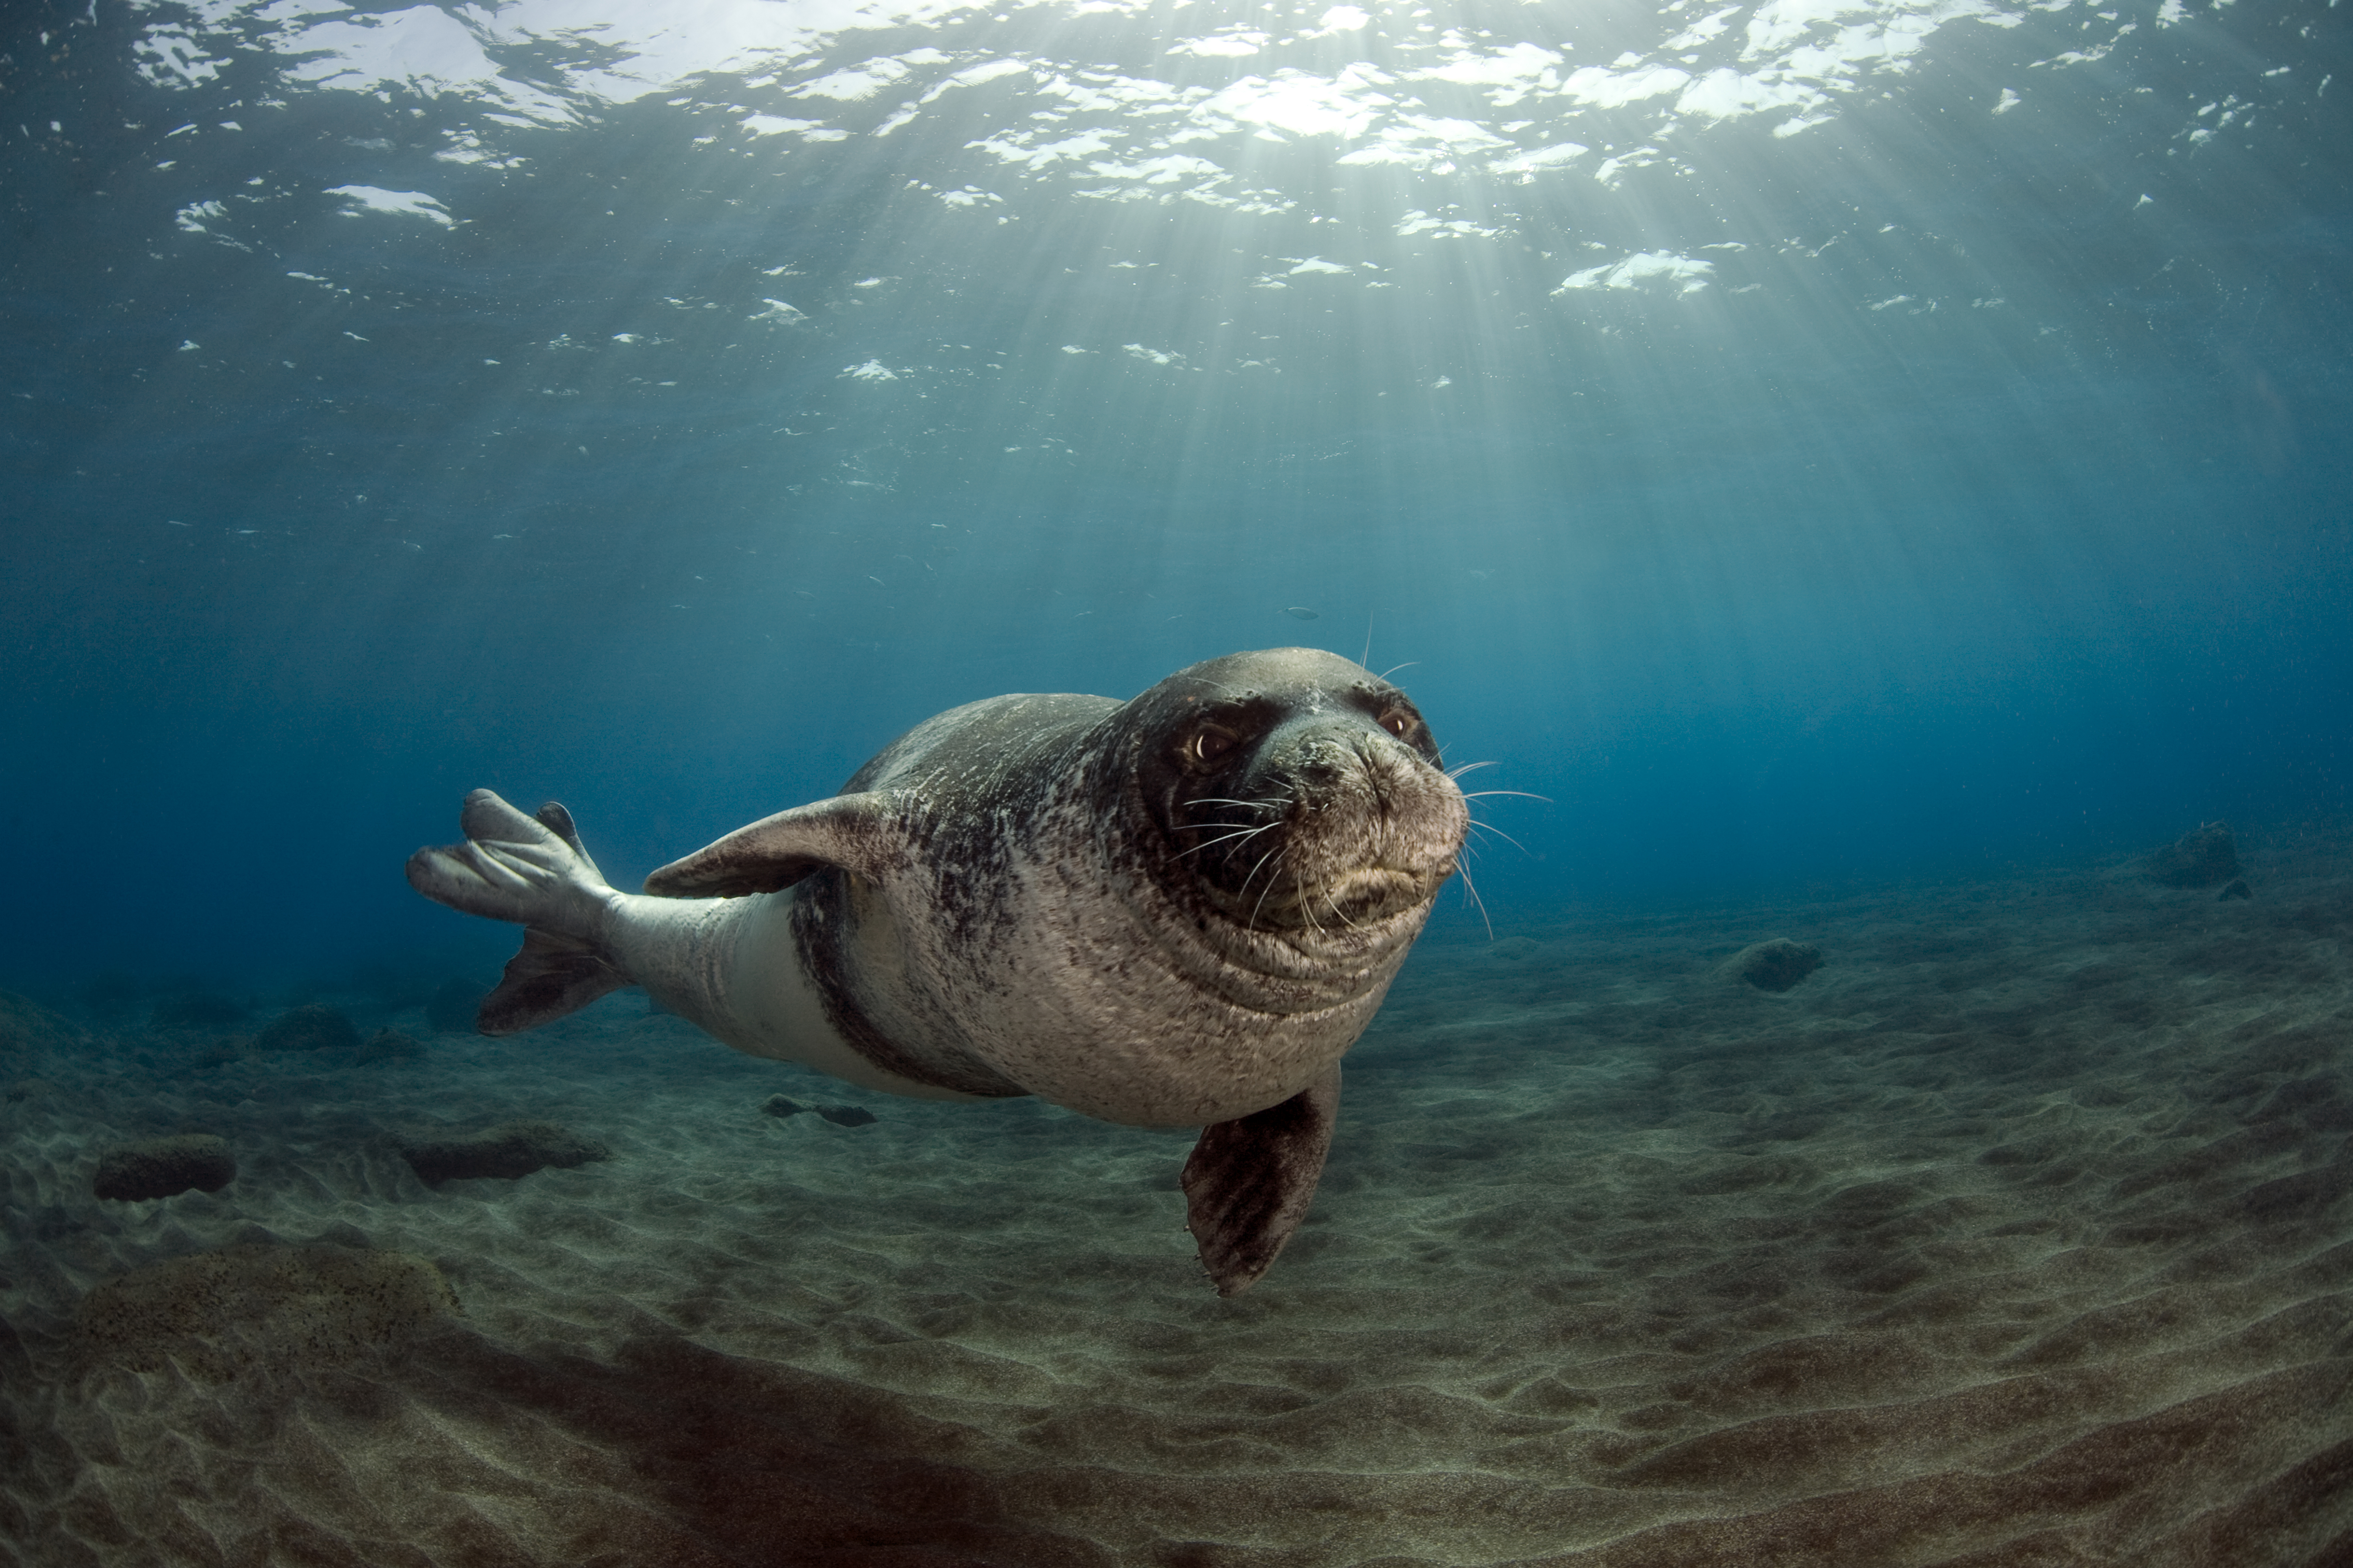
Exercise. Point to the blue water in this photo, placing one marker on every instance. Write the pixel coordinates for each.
(1894, 440)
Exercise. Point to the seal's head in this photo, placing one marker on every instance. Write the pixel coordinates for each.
(1298, 791)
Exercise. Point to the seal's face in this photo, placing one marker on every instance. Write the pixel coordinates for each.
(1298, 791)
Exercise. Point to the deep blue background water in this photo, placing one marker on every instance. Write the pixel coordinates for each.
(1984, 503)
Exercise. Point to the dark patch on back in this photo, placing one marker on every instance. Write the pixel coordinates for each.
(820, 921)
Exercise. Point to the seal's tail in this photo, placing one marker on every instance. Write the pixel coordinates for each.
(532, 870)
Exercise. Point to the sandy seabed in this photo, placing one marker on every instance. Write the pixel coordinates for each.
(2022, 1233)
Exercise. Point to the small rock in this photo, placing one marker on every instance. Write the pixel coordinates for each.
(839, 1115)
(453, 1006)
(2236, 888)
(1775, 965)
(510, 1152)
(164, 1167)
(2205, 858)
(311, 1028)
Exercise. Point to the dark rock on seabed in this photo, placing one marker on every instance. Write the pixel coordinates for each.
(1775, 965)
(839, 1115)
(165, 1167)
(2204, 859)
(510, 1151)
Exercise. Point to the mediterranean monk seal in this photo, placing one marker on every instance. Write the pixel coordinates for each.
(1175, 911)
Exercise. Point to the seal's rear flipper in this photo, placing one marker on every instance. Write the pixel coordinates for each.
(1249, 1181)
(551, 976)
(533, 870)
(528, 869)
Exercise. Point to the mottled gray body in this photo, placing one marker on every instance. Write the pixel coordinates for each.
(1175, 911)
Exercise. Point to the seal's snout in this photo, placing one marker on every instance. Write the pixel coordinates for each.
(1394, 775)
(1300, 791)
(1333, 822)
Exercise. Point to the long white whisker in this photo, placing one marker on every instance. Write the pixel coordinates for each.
(1238, 833)
(1306, 903)
(1489, 827)
(1470, 768)
(1262, 897)
(1469, 888)
(1392, 670)
(1483, 794)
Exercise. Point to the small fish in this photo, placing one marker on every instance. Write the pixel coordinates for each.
(1302, 613)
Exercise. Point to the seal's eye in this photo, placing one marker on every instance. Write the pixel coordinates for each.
(1396, 722)
(1211, 744)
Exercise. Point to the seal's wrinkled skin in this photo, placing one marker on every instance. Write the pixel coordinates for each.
(1179, 910)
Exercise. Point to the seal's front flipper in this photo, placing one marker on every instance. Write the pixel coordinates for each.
(849, 830)
(533, 870)
(1249, 1181)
